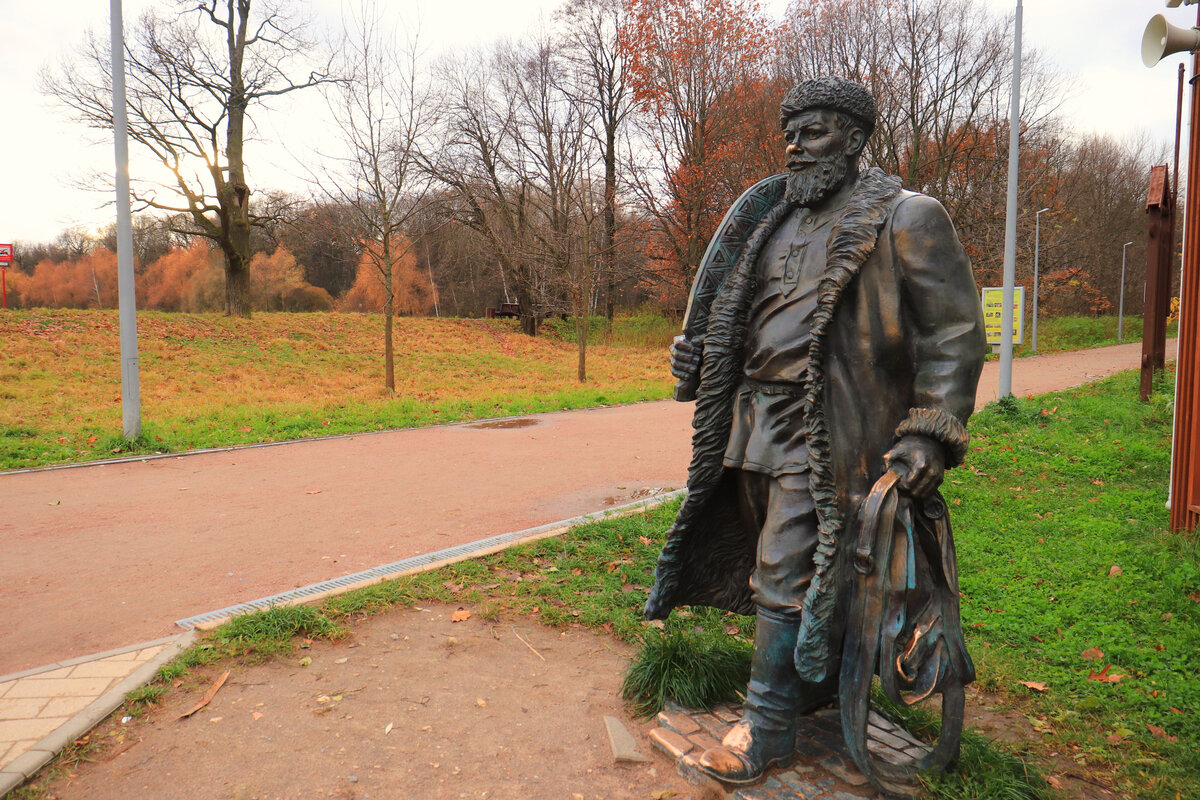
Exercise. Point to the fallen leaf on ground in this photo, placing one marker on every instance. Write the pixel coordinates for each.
(1104, 677)
(341, 660)
(388, 729)
(462, 615)
(1159, 733)
(306, 661)
(479, 701)
(663, 794)
(257, 715)
(645, 540)
(313, 491)
(1037, 686)
(1092, 653)
(1115, 571)
(1054, 782)
(208, 696)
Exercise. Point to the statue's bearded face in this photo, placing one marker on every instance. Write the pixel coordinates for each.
(818, 156)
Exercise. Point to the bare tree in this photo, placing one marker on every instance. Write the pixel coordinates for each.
(940, 71)
(382, 111)
(513, 147)
(598, 82)
(194, 76)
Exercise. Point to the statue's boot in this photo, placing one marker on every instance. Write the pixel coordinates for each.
(766, 735)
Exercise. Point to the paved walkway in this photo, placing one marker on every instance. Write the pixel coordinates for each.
(99, 556)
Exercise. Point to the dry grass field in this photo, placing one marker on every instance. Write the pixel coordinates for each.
(210, 381)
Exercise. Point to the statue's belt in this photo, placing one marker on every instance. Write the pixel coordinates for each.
(774, 387)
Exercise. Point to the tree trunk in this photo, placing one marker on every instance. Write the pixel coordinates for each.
(581, 334)
(389, 358)
(234, 195)
(389, 313)
(237, 285)
(608, 257)
(529, 320)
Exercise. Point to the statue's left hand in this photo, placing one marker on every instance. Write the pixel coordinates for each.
(925, 460)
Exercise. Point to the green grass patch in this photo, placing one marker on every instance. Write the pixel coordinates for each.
(695, 665)
(985, 770)
(271, 631)
(1070, 578)
(141, 698)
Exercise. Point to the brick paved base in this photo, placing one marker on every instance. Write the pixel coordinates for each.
(822, 769)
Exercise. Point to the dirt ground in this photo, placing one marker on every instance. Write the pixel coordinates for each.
(416, 706)
(412, 705)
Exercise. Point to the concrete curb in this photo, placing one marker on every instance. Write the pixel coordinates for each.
(31, 761)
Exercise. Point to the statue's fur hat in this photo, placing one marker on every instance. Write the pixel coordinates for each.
(836, 94)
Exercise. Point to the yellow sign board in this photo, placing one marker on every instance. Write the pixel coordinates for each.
(993, 313)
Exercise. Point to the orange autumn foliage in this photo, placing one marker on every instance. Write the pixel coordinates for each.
(699, 74)
(89, 282)
(185, 279)
(413, 296)
(277, 284)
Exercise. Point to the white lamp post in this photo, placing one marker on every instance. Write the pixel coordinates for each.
(1121, 307)
(1037, 244)
(131, 394)
(1010, 228)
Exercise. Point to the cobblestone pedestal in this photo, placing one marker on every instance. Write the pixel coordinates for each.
(822, 769)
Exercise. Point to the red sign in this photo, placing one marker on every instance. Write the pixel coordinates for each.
(5, 253)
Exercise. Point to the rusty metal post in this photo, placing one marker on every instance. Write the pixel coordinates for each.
(1185, 453)
(1158, 278)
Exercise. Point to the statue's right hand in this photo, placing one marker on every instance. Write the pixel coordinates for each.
(685, 358)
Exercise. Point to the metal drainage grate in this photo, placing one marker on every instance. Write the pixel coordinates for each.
(427, 560)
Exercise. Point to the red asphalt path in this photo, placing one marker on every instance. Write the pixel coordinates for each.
(100, 556)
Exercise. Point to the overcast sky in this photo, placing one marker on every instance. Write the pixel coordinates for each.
(43, 153)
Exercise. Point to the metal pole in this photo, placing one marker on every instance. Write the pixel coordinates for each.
(1010, 233)
(1121, 305)
(131, 396)
(1037, 246)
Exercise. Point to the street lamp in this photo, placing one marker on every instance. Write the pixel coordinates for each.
(1010, 226)
(1121, 307)
(1037, 243)
(131, 392)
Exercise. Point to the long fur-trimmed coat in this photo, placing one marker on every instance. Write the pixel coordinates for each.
(897, 346)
